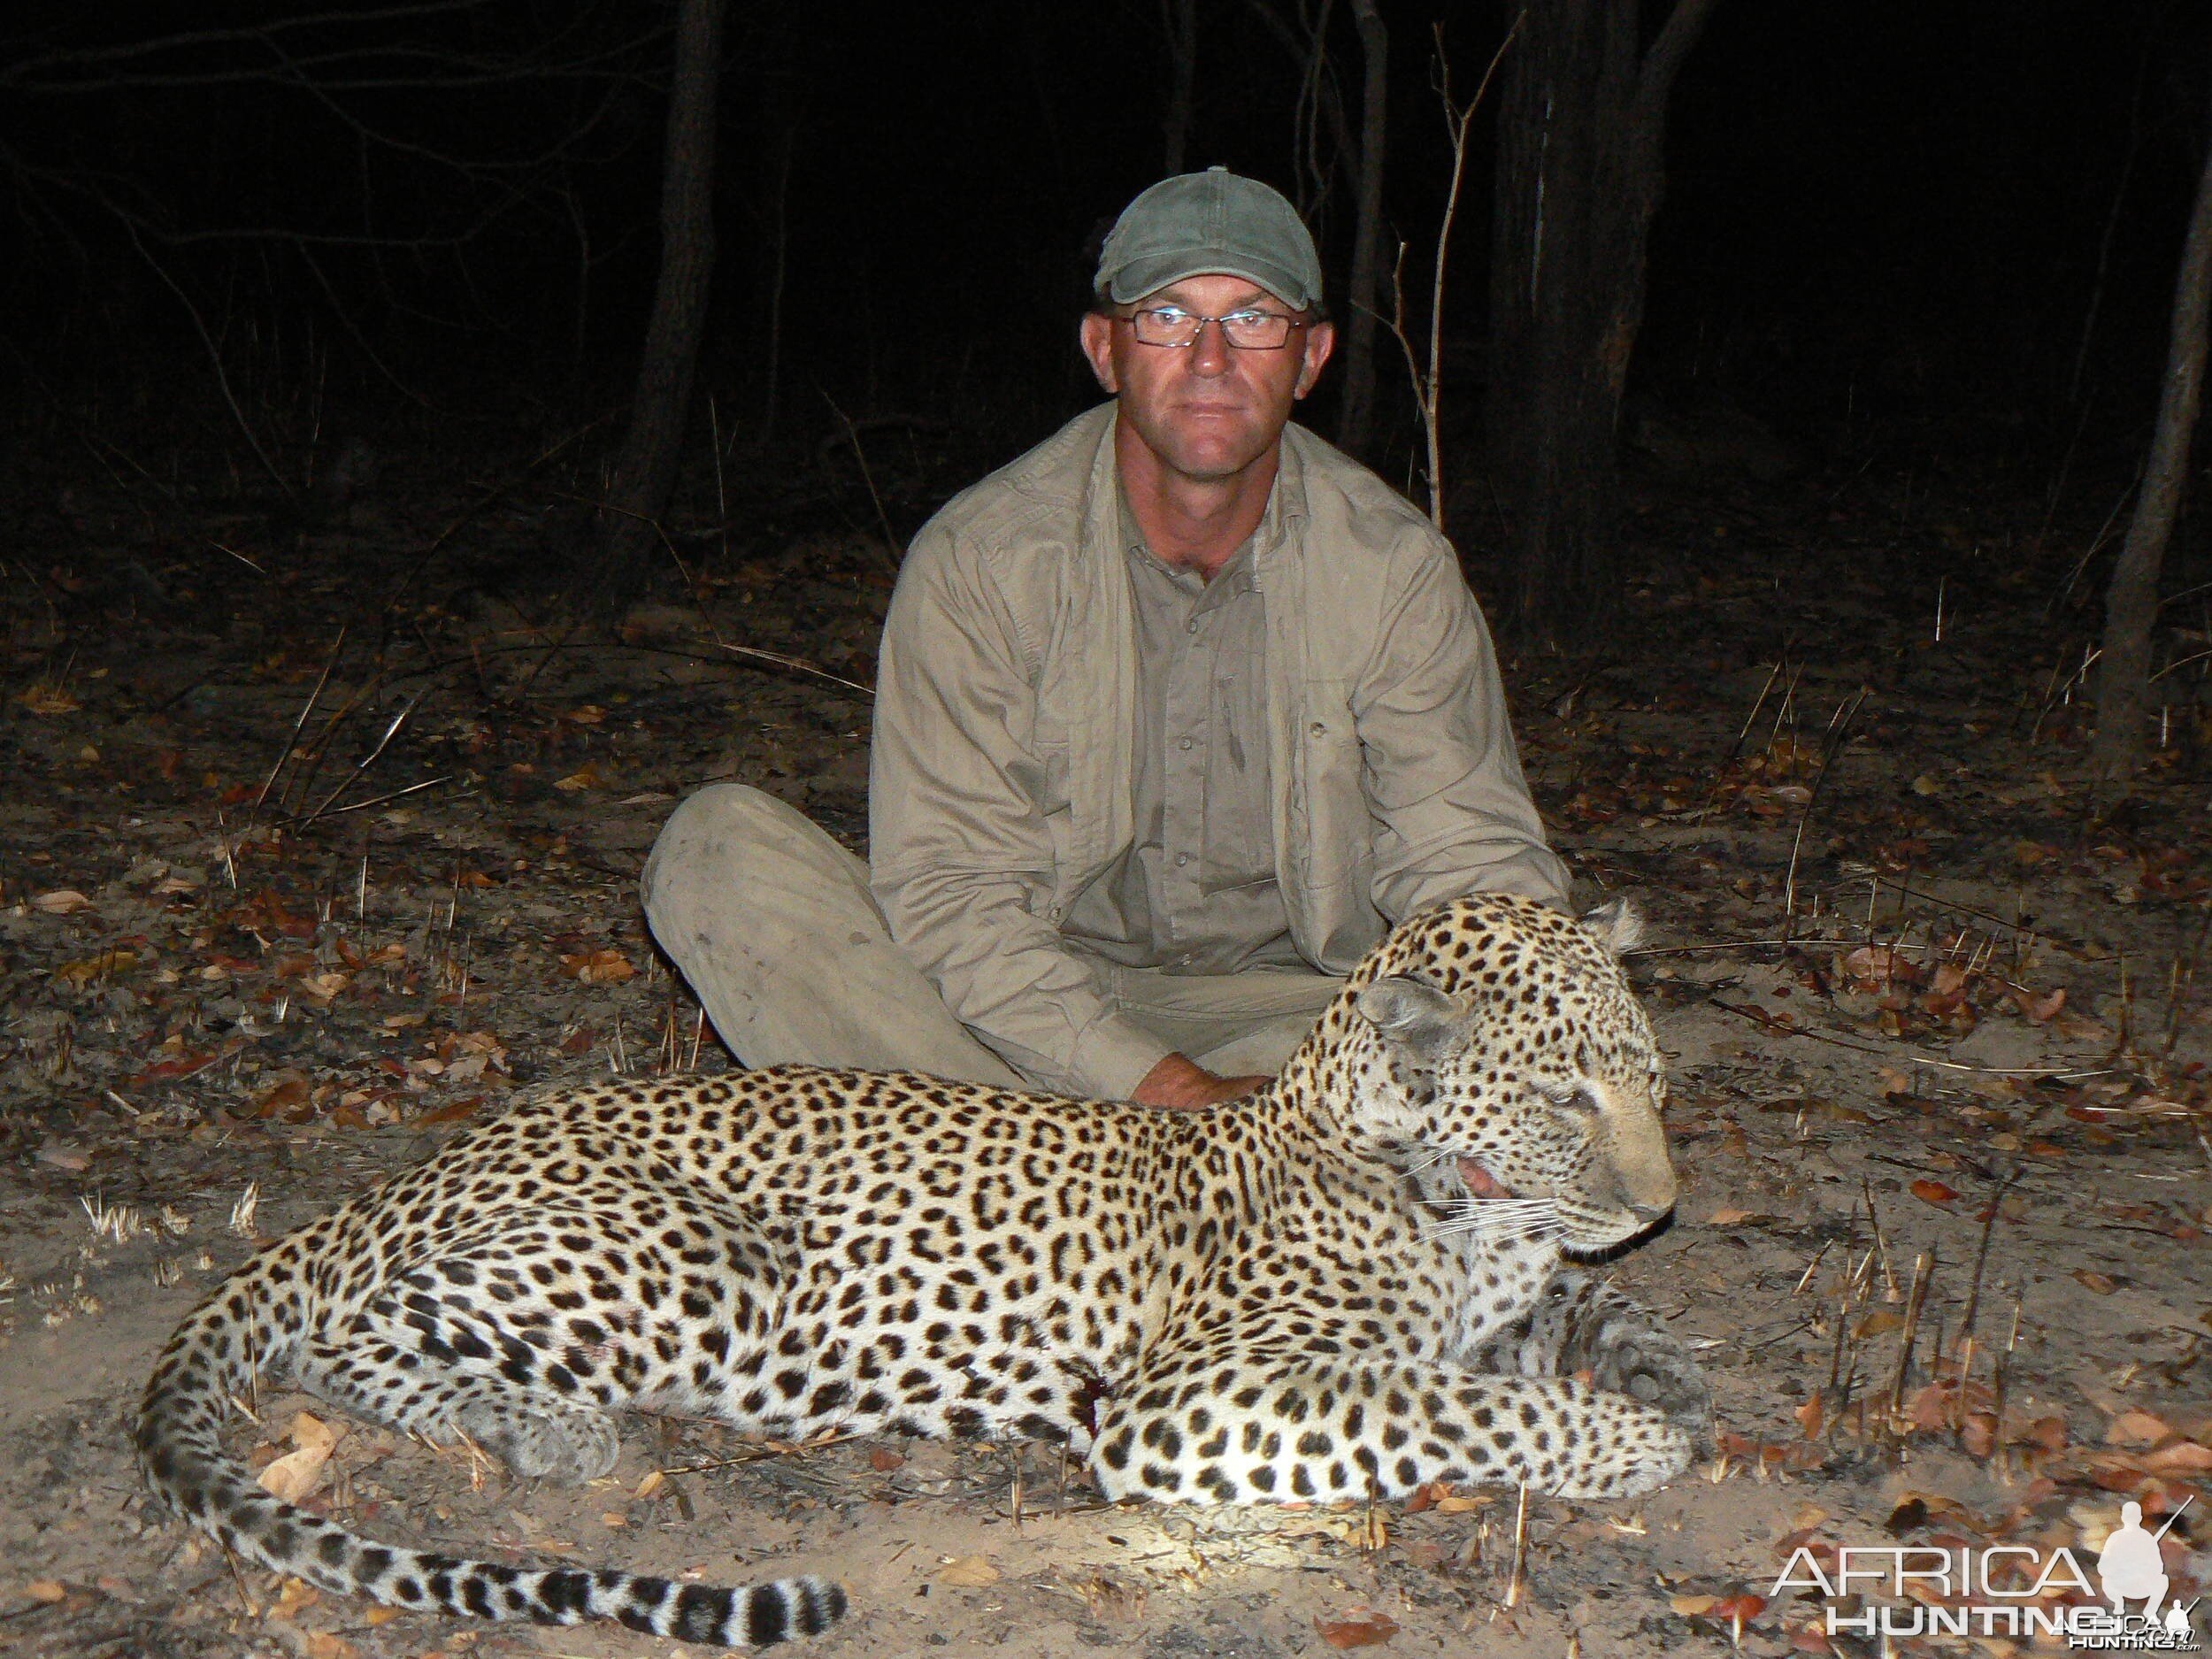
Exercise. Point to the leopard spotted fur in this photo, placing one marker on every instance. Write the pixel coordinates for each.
(1351, 1284)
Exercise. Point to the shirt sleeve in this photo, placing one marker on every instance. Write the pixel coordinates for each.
(962, 858)
(1453, 813)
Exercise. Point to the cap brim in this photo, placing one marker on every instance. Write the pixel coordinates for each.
(1151, 273)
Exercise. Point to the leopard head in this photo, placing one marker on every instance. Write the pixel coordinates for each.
(1505, 1051)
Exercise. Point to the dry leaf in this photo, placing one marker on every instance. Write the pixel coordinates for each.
(586, 776)
(883, 1459)
(308, 1430)
(2135, 1428)
(106, 966)
(2097, 1282)
(60, 901)
(293, 1596)
(1933, 1192)
(1692, 1606)
(1727, 1215)
(599, 967)
(1878, 1322)
(47, 1590)
(2183, 1458)
(45, 699)
(293, 1476)
(281, 1099)
(1462, 1503)
(2039, 1011)
(321, 988)
(1360, 1627)
(972, 1571)
(322, 1645)
(1895, 1083)
(379, 1615)
(653, 1482)
(1812, 1417)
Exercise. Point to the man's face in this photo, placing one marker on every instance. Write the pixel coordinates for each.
(1208, 411)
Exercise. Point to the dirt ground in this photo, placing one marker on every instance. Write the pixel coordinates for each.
(280, 909)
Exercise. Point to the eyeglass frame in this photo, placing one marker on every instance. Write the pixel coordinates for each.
(1289, 322)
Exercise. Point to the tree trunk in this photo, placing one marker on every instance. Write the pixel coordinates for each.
(2130, 606)
(1179, 22)
(1581, 124)
(645, 476)
(1356, 415)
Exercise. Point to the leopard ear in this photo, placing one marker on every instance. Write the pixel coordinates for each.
(1417, 1018)
(1619, 925)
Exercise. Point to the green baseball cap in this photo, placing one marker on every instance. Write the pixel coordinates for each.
(1214, 223)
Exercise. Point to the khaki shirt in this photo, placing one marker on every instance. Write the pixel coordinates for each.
(1196, 891)
(1004, 755)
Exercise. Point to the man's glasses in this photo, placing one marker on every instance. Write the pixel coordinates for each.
(1246, 330)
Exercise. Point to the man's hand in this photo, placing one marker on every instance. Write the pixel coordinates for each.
(1185, 1086)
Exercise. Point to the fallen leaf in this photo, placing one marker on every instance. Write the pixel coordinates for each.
(1812, 1416)
(106, 966)
(1878, 1322)
(64, 1154)
(60, 901)
(1933, 1192)
(972, 1571)
(1977, 1433)
(586, 776)
(2097, 1282)
(599, 967)
(322, 1645)
(1895, 1083)
(1727, 1215)
(293, 1476)
(453, 1113)
(45, 699)
(883, 1459)
(2039, 1010)
(379, 1615)
(293, 1596)
(1463, 1502)
(1692, 1606)
(47, 1590)
(653, 1482)
(286, 1094)
(1360, 1627)
(2136, 1428)
(321, 988)
(2183, 1458)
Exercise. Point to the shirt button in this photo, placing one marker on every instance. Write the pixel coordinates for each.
(1320, 730)
(1191, 627)
(1183, 743)
(1180, 860)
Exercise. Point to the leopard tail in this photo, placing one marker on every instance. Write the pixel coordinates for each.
(216, 1356)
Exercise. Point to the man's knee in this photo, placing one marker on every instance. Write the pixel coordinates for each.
(725, 828)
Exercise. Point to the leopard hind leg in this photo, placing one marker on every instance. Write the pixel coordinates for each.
(528, 1342)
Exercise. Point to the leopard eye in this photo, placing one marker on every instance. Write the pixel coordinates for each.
(1578, 1099)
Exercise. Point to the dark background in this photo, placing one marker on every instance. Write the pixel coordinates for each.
(1888, 227)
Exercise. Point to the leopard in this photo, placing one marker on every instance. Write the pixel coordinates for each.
(1372, 1275)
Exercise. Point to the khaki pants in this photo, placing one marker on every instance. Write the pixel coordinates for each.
(772, 924)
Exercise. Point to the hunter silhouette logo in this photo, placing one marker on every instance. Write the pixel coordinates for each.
(2005, 1590)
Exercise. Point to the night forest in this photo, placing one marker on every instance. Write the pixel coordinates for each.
(435, 438)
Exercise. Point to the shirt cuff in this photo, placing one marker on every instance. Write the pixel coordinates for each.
(1114, 1055)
